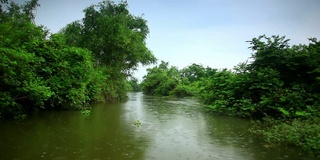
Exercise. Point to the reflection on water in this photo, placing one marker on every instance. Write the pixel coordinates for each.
(170, 129)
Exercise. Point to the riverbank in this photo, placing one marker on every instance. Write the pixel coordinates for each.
(296, 132)
(280, 82)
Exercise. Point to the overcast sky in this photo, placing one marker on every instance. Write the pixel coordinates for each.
(208, 32)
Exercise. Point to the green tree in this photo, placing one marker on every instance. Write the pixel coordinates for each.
(133, 85)
(117, 40)
(21, 88)
(161, 79)
(115, 37)
(193, 72)
(296, 69)
(190, 78)
(280, 82)
(66, 70)
(38, 71)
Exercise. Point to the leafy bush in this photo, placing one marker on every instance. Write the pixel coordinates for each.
(22, 89)
(182, 91)
(116, 39)
(133, 85)
(297, 132)
(161, 80)
(40, 72)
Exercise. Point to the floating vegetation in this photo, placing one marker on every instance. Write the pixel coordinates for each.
(19, 116)
(137, 123)
(85, 112)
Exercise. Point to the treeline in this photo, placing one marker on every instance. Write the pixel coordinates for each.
(280, 84)
(133, 85)
(89, 60)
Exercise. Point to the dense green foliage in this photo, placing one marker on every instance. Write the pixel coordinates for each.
(302, 133)
(133, 85)
(39, 71)
(91, 60)
(165, 80)
(116, 39)
(161, 79)
(280, 82)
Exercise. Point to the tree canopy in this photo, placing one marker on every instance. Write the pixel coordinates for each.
(89, 60)
(113, 35)
(116, 39)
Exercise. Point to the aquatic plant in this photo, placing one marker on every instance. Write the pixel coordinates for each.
(137, 123)
(85, 112)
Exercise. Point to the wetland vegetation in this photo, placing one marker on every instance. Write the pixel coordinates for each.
(92, 59)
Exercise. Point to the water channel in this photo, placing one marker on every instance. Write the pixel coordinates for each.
(170, 129)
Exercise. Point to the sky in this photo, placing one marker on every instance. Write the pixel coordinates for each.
(208, 32)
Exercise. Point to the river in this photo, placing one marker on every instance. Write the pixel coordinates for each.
(143, 128)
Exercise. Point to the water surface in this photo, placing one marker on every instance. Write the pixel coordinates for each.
(171, 129)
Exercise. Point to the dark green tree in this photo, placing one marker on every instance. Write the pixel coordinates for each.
(193, 72)
(291, 90)
(38, 71)
(117, 40)
(115, 37)
(161, 79)
(21, 88)
(134, 85)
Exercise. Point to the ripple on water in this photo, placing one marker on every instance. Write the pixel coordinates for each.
(171, 128)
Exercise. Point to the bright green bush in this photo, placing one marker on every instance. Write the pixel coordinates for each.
(116, 39)
(161, 80)
(22, 89)
(40, 72)
(183, 91)
(297, 132)
(133, 85)
(66, 70)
